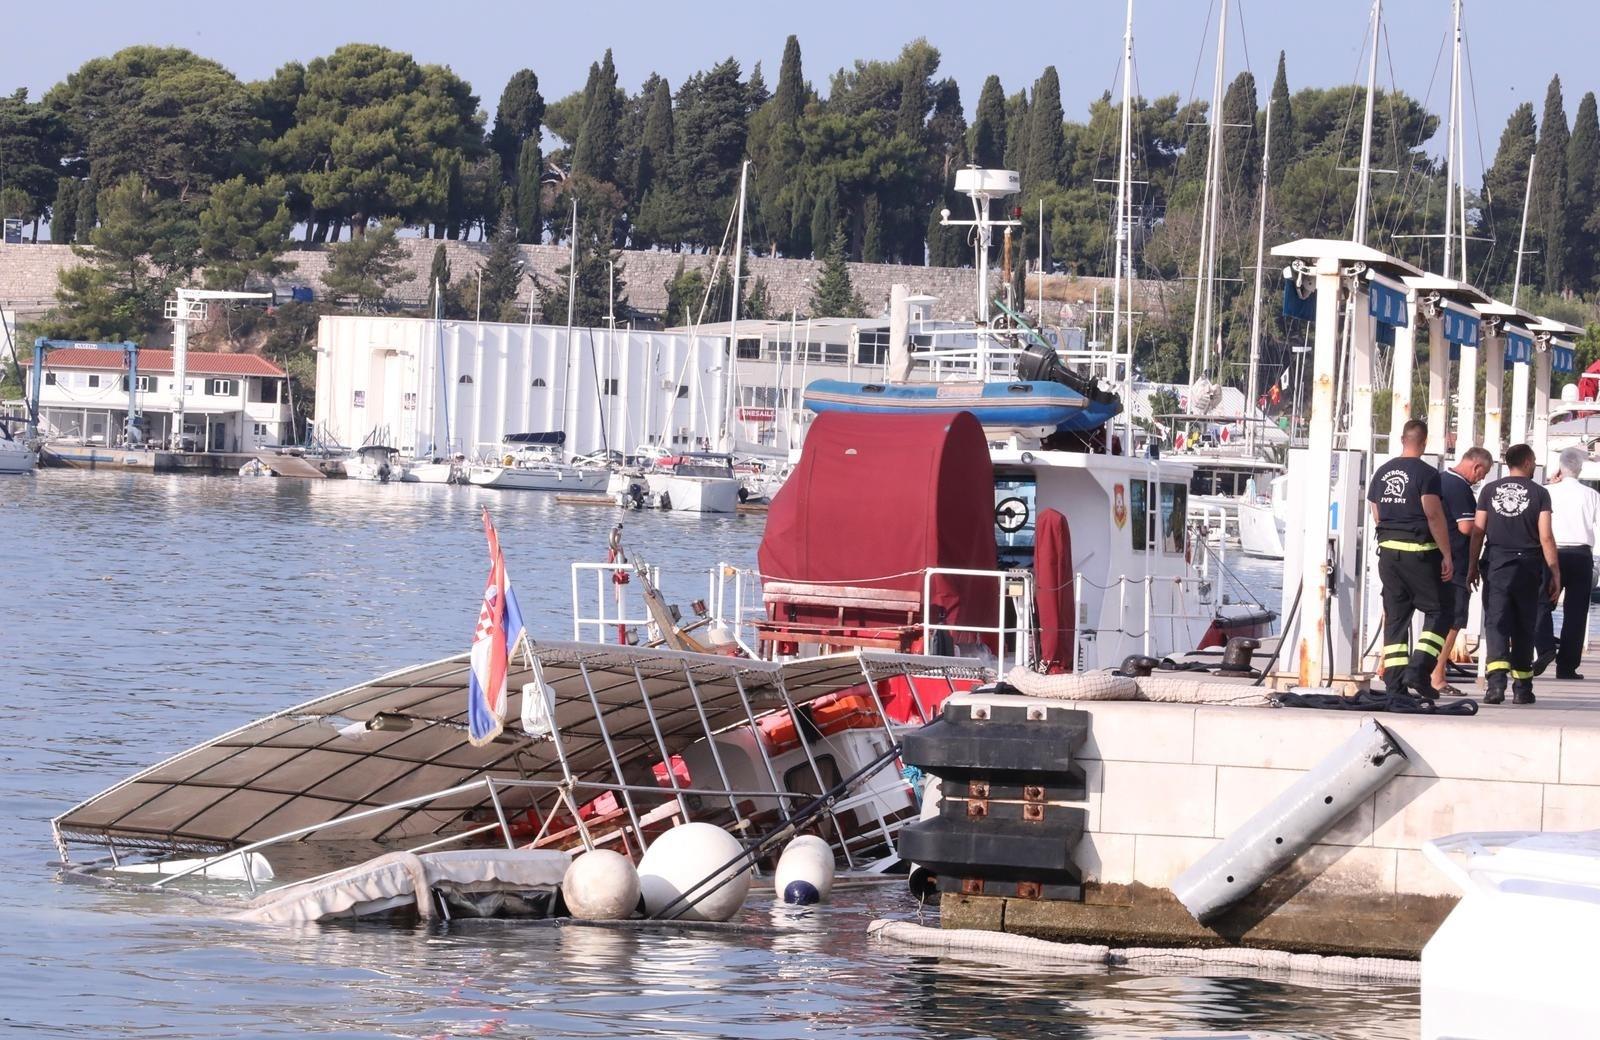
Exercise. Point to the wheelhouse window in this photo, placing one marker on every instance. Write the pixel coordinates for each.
(1015, 514)
(1139, 514)
(1174, 517)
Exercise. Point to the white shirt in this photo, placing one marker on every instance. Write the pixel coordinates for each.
(1574, 513)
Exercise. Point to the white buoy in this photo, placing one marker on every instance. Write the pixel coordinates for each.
(601, 885)
(680, 859)
(805, 871)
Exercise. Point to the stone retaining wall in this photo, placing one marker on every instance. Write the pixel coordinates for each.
(29, 276)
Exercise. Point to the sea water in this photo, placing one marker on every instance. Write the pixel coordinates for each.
(145, 614)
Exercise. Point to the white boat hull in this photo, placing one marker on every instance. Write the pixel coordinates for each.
(14, 458)
(1260, 531)
(538, 478)
(435, 473)
(694, 494)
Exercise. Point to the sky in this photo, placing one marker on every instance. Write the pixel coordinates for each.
(486, 41)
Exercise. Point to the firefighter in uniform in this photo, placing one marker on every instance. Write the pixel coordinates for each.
(1414, 562)
(1512, 527)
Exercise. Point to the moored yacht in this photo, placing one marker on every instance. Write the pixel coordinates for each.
(16, 456)
(536, 462)
(694, 482)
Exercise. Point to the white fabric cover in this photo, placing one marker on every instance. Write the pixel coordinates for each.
(1176, 688)
(399, 878)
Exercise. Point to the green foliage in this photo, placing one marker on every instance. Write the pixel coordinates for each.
(64, 211)
(438, 276)
(988, 144)
(244, 228)
(1549, 214)
(834, 296)
(592, 303)
(1046, 157)
(1504, 189)
(756, 301)
(595, 151)
(517, 118)
(656, 215)
(374, 133)
(88, 209)
(33, 139)
(1583, 196)
(530, 165)
(503, 271)
(179, 121)
(364, 269)
(710, 122)
(144, 247)
(1282, 120)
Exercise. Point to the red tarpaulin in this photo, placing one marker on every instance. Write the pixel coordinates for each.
(1052, 575)
(877, 499)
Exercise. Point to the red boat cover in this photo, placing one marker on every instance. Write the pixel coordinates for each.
(1052, 574)
(877, 499)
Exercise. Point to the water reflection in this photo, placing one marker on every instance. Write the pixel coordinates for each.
(150, 613)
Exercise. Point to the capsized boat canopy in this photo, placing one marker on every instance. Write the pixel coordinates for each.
(404, 735)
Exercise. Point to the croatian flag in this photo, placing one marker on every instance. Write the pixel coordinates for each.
(500, 631)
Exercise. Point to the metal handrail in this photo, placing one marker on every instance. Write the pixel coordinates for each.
(603, 621)
(1021, 634)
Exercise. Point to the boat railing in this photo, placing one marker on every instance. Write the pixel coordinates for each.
(734, 595)
(1142, 594)
(616, 607)
(1013, 642)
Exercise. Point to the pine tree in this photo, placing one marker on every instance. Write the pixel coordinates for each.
(872, 234)
(834, 296)
(1045, 166)
(1504, 185)
(789, 100)
(1550, 189)
(365, 268)
(988, 145)
(755, 89)
(1583, 182)
(503, 271)
(517, 118)
(530, 164)
(64, 214)
(914, 90)
(1282, 120)
(593, 301)
(595, 152)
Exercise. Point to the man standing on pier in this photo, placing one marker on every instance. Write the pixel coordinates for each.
(1513, 527)
(1575, 525)
(1460, 510)
(1414, 562)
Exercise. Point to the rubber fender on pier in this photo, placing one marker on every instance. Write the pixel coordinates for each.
(1279, 833)
(999, 740)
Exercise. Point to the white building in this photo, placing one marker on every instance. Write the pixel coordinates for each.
(432, 388)
(231, 402)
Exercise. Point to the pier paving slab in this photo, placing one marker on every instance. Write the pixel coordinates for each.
(1127, 731)
(1571, 808)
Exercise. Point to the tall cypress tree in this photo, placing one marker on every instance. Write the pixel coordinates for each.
(1282, 121)
(872, 233)
(989, 126)
(825, 219)
(1504, 184)
(1016, 153)
(1047, 145)
(913, 92)
(1583, 182)
(1242, 156)
(789, 100)
(517, 117)
(595, 152)
(438, 275)
(1550, 189)
(530, 163)
(88, 212)
(64, 214)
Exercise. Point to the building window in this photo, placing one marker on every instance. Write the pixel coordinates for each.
(611, 388)
(49, 379)
(873, 349)
(683, 391)
(538, 382)
(141, 384)
(261, 429)
(360, 398)
(465, 379)
(749, 350)
(409, 402)
(219, 387)
(94, 380)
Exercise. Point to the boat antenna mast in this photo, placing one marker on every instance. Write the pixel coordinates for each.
(981, 186)
(1364, 175)
(724, 436)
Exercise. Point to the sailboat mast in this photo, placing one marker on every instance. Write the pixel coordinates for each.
(1364, 178)
(1209, 220)
(1453, 171)
(1121, 216)
(1255, 308)
(1522, 236)
(733, 315)
(1461, 149)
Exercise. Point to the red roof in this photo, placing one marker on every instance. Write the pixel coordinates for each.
(199, 362)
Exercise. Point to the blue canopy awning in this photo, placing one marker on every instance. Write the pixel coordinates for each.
(1563, 359)
(1519, 347)
(1296, 306)
(1460, 330)
(1386, 304)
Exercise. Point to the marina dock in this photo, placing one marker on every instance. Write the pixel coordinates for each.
(1166, 783)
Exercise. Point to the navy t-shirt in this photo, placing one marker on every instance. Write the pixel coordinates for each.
(1397, 489)
(1513, 505)
(1459, 504)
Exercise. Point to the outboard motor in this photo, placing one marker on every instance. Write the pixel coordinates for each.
(1039, 362)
